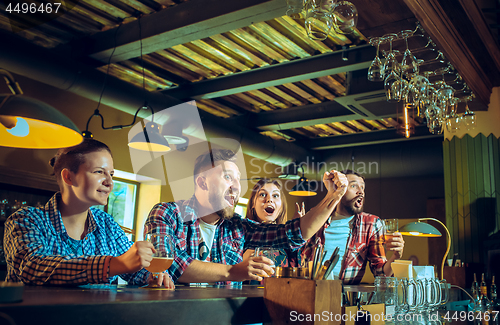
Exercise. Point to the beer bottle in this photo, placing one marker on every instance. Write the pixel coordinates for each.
(475, 289)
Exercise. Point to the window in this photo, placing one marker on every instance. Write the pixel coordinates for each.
(122, 203)
(241, 207)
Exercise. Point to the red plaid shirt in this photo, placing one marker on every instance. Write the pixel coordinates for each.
(365, 244)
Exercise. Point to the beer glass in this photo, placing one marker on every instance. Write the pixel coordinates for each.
(270, 253)
(390, 227)
(386, 292)
(164, 255)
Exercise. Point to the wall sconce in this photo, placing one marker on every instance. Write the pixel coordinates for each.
(29, 123)
(302, 188)
(420, 229)
(148, 140)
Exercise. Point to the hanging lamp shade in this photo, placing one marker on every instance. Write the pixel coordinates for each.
(302, 188)
(29, 123)
(419, 229)
(150, 139)
(289, 172)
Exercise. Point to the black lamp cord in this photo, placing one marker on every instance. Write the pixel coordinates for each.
(145, 106)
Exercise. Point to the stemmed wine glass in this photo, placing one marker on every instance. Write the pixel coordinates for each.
(454, 120)
(409, 65)
(164, 255)
(319, 19)
(400, 89)
(376, 69)
(469, 117)
(294, 9)
(345, 17)
(391, 63)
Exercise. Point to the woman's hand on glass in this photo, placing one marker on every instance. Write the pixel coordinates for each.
(139, 255)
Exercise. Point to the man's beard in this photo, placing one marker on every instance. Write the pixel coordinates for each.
(351, 208)
(220, 206)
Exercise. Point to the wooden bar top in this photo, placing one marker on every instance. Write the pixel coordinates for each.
(120, 304)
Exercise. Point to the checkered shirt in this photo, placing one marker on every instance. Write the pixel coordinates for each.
(38, 249)
(365, 244)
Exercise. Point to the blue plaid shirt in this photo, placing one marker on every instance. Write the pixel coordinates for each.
(38, 249)
(232, 237)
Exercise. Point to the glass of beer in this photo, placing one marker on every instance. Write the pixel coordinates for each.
(390, 227)
(270, 253)
(164, 255)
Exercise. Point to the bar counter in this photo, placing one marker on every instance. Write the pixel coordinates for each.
(121, 304)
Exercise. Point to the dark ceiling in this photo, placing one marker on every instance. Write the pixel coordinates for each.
(248, 63)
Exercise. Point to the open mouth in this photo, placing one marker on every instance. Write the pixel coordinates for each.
(103, 192)
(359, 202)
(230, 199)
(270, 209)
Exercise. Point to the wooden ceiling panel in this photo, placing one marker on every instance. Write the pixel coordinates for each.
(302, 93)
(257, 42)
(210, 63)
(245, 54)
(285, 97)
(182, 61)
(207, 63)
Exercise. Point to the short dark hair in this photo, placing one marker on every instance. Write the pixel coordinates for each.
(352, 172)
(73, 157)
(211, 157)
(252, 215)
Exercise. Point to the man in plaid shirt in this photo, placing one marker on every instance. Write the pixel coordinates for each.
(210, 238)
(359, 236)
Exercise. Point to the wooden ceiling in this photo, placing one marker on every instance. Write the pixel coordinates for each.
(247, 62)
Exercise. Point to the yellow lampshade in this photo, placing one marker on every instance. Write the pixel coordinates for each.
(302, 188)
(150, 139)
(29, 123)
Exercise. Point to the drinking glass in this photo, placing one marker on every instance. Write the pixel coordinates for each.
(270, 253)
(391, 225)
(391, 64)
(400, 89)
(453, 121)
(376, 69)
(164, 255)
(445, 292)
(409, 65)
(419, 85)
(386, 293)
(469, 118)
(294, 8)
(345, 17)
(391, 91)
(319, 19)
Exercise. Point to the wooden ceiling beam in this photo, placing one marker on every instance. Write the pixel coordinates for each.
(449, 25)
(317, 66)
(180, 24)
(296, 117)
(365, 138)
